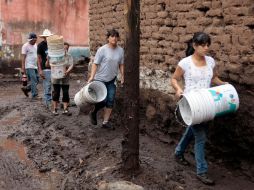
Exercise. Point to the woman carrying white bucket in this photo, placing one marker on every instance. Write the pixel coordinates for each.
(60, 80)
(108, 60)
(198, 71)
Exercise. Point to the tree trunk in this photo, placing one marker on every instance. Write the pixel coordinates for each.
(130, 144)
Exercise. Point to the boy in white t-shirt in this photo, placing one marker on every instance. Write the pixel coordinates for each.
(29, 65)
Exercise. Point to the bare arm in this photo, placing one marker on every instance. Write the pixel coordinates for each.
(93, 71)
(40, 66)
(178, 75)
(70, 66)
(216, 80)
(69, 69)
(23, 63)
(47, 62)
(39, 62)
(121, 67)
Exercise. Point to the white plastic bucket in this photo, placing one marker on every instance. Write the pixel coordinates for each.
(56, 60)
(79, 99)
(93, 92)
(58, 70)
(203, 105)
(225, 98)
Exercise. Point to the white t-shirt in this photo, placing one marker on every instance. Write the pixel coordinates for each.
(31, 55)
(108, 61)
(197, 77)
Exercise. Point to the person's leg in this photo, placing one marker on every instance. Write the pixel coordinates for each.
(106, 115)
(97, 107)
(66, 99)
(56, 95)
(199, 132)
(93, 114)
(32, 76)
(111, 89)
(28, 86)
(184, 142)
(47, 87)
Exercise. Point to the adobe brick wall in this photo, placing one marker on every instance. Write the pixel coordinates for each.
(167, 24)
(165, 27)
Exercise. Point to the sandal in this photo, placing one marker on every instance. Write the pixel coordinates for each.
(66, 112)
(55, 112)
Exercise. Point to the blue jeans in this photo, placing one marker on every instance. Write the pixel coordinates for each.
(47, 87)
(199, 133)
(110, 99)
(111, 93)
(33, 78)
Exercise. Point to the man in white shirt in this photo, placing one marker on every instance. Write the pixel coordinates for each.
(29, 65)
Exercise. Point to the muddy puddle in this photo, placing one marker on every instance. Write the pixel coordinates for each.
(17, 152)
(17, 170)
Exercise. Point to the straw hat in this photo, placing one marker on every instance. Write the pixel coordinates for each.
(46, 33)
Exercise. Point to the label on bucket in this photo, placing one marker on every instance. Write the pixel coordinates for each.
(226, 101)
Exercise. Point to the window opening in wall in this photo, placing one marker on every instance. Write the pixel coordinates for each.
(163, 6)
(114, 8)
(250, 26)
(203, 9)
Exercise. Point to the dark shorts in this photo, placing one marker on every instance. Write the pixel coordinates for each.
(56, 92)
(111, 92)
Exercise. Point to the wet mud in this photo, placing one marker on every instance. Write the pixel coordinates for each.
(46, 152)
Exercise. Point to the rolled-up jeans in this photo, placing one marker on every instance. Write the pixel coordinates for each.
(108, 102)
(33, 78)
(199, 132)
(47, 86)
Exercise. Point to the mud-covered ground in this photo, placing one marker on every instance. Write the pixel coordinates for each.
(46, 152)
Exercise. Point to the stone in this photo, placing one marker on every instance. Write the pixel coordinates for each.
(118, 185)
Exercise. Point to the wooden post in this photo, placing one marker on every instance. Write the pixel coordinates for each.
(130, 144)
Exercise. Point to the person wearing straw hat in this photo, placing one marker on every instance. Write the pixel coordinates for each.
(108, 60)
(44, 68)
(29, 65)
(198, 71)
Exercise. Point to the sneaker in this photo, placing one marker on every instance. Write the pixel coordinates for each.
(93, 118)
(37, 97)
(204, 179)
(181, 160)
(54, 112)
(66, 112)
(107, 126)
(25, 91)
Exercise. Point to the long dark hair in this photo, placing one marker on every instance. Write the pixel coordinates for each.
(199, 38)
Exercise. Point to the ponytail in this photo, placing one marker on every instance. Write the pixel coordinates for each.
(190, 50)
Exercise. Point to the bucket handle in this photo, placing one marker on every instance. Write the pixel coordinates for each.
(177, 111)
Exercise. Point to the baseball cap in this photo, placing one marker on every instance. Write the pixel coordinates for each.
(32, 36)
